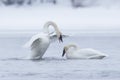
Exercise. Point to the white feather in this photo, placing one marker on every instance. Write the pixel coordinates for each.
(35, 37)
(74, 52)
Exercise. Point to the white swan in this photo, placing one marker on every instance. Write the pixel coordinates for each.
(74, 52)
(40, 42)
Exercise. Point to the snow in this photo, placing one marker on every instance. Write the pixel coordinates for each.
(29, 18)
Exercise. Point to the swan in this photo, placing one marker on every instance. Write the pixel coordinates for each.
(74, 52)
(40, 42)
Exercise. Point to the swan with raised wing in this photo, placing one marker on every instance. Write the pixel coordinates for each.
(40, 42)
(74, 52)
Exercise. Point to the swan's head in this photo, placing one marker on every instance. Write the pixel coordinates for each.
(60, 37)
(58, 33)
(66, 48)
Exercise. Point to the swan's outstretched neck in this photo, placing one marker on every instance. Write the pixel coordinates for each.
(48, 24)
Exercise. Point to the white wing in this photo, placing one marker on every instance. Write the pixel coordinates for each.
(35, 44)
(38, 48)
(91, 53)
(34, 38)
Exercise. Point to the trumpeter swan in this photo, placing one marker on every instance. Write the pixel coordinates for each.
(40, 42)
(74, 52)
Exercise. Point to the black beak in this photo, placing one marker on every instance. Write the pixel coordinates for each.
(60, 38)
(63, 53)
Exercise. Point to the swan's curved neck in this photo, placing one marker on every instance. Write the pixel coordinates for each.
(46, 26)
(72, 45)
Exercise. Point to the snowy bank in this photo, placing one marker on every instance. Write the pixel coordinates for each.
(29, 18)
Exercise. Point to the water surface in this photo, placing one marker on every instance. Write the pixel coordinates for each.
(15, 66)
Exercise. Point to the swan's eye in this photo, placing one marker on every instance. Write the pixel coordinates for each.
(60, 38)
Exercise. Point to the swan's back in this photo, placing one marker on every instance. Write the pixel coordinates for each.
(91, 53)
(87, 53)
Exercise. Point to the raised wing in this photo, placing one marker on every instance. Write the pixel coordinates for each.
(38, 49)
(31, 41)
(35, 44)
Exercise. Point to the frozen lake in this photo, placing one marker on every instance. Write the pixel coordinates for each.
(14, 66)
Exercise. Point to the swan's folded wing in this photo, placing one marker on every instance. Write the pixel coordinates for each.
(54, 37)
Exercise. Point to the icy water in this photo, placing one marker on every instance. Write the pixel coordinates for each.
(15, 66)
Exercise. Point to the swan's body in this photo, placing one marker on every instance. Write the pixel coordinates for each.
(40, 42)
(74, 52)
